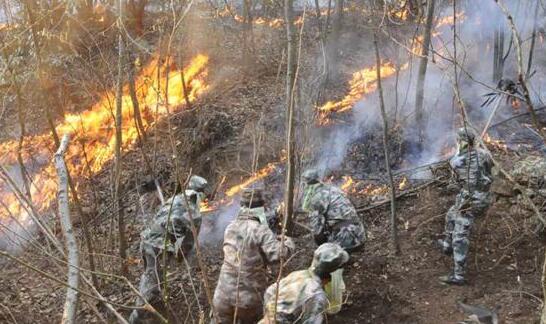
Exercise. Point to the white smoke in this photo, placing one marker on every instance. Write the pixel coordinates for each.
(475, 34)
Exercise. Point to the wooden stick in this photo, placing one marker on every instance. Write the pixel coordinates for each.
(491, 116)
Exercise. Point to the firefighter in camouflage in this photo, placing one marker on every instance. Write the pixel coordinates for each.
(472, 171)
(170, 231)
(301, 296)
(249, 247)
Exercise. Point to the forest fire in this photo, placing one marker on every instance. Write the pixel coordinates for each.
(357, 188)
(262, 173)
(206, 206)
(500, 145)
(403, 184)
(347, 184)
(95, 130)
(363, 82)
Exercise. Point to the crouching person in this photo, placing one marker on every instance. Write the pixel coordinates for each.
(170, 231)
(333, 218)
(301, 296)
(249, 246)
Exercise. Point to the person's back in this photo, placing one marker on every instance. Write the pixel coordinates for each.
(249, 246)
(339, 207)
(243, 250)
(473, 167)
(301, 299)
(333, 217)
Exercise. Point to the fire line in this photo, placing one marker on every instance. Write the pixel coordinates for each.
(95, 127)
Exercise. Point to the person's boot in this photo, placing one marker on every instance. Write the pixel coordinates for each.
(452, 279)
(445, 247)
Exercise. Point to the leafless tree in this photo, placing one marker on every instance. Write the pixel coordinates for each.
(423, 62)
(117, 167)
(394, 231)
(71, 302)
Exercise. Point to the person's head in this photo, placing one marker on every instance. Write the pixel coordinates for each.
(465, 137)
(197, 189)
(197, 183)
(310, 176)
(328, 258)
(252, 197)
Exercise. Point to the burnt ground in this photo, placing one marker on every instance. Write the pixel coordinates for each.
(216, 141)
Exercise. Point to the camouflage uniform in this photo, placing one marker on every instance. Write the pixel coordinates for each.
(170, 229)
(332, 216)
(472, 169)
(249, 246)
(301, 297)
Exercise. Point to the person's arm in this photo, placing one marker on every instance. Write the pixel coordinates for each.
(317, 219)
(271, 246)
(315, 309)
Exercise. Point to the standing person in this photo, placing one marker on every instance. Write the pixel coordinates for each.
(333, 219)
(170, 231)
(472, 171)
(249, 247)
(301, 296)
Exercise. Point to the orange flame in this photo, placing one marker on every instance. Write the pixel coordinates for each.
(403, 184)
(262, 173)
(347, 184)
(495, 143)
(362, 83)
(205, 206)
(96, 128)
(515, 103)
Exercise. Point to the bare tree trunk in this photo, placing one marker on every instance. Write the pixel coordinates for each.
(533, 41)
(394, 231)
(134, 100)
(117, 172)
(521, 78)
(72, 295)
(290, 84)
(136, 14)
(543, 281)
(247, 32)
(420, 94)
(22, 134)
(333, 40)
(498, 53)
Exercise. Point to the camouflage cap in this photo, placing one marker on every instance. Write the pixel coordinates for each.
(252, 195)
(310, 176)
(328, 258)
(197, 183)
(466, 134)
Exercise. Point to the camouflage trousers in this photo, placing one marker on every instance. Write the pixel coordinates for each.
(350, 236)
(149, 287)
(459, 221)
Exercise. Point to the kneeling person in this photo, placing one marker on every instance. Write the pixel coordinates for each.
(249, 246)
(301, 295)
(332, 216)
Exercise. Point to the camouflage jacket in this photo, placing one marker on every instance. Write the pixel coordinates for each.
(472, 170)
(249, 247)
(301, 299)
(330, 211)
(172, 220)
